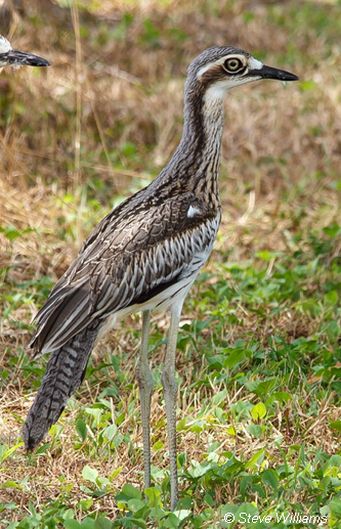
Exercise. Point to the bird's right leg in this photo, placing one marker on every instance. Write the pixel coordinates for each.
(170, 391)
(145, 380)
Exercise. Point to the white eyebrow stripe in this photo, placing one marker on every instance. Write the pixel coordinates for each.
(255, 64)
(192, 212)
(204, 69)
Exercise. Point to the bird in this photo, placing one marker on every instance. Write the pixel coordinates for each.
(144, 256)
(16, 58)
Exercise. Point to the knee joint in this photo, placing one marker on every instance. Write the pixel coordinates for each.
(144, 377)
(169, 382)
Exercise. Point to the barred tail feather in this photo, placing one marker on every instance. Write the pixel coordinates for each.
(64, 374)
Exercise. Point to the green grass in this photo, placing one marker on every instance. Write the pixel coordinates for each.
(267, 404)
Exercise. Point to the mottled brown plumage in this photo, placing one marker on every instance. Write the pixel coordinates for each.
(120, 254)
(144, 255)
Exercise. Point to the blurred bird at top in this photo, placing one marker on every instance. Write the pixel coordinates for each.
(16, 58)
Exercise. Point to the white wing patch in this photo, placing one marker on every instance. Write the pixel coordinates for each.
(4, 45)
(192, 212)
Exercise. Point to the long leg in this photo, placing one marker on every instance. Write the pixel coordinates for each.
(145, 380)
(170, 390)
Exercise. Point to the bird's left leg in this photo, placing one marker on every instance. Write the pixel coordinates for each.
(145, 380)
(170, 391)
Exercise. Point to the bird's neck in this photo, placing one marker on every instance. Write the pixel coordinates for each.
(195, 163)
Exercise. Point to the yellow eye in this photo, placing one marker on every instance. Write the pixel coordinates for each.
(234, 65)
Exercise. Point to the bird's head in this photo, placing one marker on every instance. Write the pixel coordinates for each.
(16, 58)
(218, 69)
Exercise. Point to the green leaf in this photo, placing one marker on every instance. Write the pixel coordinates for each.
(307, 85)
(265, 255)
(182, 514)
(11, 484)
(135, 504)
(258, 411)
(335, 425)
(333, 230)
(86, 503)
(88, 523)
(102, 523)
(110, 432)
(6, 452)
(219, 397)
(128, 492)
(270, 477)
(255, 430)
(11, 233)
(153, 496)
(335, 507)
(230, 430)
(256, 459)
(72, 524)
(90, 474)
(81, 429)
(235, 357)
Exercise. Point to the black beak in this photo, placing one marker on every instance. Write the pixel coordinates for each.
(267, 72)
(21, 58)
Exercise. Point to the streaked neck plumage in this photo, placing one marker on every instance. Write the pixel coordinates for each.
(195, 163)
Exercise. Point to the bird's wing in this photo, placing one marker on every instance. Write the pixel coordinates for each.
(133, 253)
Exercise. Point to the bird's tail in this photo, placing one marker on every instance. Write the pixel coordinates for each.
(64, 374)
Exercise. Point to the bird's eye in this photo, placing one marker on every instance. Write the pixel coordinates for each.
(234, 65)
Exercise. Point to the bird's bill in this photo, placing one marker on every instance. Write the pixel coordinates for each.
(21, 58)
(268, 72)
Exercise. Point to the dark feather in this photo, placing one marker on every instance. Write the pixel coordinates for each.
(64, 373)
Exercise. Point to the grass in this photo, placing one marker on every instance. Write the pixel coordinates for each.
(259, 346)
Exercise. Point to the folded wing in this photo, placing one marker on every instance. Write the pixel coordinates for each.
(127, 262)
